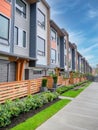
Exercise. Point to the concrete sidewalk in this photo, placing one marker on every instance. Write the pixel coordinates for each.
(80, 114)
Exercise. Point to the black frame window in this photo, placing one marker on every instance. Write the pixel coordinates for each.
(4, 27)
(24, 39)
(16, 36)
(41, 19)
(53, 34)
(53, 56)
(41, 46)
(21, 8)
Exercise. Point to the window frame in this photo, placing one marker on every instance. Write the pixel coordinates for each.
(52, 38)
(21, 13)
(43, 53)
(7, 39)
(17, 35)
(52, 60)
(43, 26)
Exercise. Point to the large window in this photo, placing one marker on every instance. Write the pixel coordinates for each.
(53, 35)
(53, 56)
(41, 19)
(4, 27)
(21, 8)
(20, 37)
(41, 46)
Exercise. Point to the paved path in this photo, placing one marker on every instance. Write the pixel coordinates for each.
(80, 114)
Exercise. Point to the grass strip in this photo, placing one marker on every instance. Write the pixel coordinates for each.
(35, 121)
(74, 93)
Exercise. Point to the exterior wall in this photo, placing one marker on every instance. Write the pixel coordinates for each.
(55, 47)
(70, 59)
(23, 24)
(12, 72)
(33, 27)
(5, 10)
(42, 33)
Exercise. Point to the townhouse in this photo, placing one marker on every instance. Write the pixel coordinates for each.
(32, 45)
(24, 39)
(57, 48)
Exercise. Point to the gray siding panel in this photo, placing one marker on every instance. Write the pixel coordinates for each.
(62, 52)
(33, 30)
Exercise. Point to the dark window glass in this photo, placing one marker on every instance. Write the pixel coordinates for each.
(41, 46)
(53, 35)
(4, 27)
(37, 72)
(21, 8)
(24, 39)
(41, 19)
(16, 36)
(53, 56)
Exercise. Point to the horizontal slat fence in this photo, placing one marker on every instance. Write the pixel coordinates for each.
(14, 90)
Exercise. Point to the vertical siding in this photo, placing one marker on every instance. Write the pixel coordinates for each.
(12, 72)
(33, 30)
(73, 59)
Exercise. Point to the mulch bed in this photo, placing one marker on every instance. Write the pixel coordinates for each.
(24, 116)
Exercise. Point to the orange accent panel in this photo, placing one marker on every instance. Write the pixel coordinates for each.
(5, 8)
(18, 71)
(53, 44)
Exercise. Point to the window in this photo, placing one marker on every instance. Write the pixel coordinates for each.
(53, 35)
(16, 36)
(24, 39)
(41, 19)
(21, 8)
(4, 27)
(37, 72)
(19, 37)
(65, 59)
(41, 46)
(53, 56)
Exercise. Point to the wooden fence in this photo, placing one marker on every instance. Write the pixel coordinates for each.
(14, 90)
(19, 89)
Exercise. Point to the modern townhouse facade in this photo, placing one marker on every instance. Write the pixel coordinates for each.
(32, 45)
(72, 57)
(66, 56)
(24, 40)
(39, 39)
(57, 50)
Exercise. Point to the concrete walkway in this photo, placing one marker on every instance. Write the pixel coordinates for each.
(80, 114)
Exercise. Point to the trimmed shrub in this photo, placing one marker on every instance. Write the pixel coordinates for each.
(13, 108)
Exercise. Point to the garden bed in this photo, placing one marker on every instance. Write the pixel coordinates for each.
(24, 116)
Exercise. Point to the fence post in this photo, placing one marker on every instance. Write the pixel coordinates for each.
(29, 87)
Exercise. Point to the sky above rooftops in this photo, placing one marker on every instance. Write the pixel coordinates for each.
(80, 19)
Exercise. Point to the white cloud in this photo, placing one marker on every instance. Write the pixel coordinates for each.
(93, 13)
(77, 37)
(87, 50)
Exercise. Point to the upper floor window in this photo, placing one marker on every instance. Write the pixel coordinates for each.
(41, 19)
(53, 35)
(53, 56)
(41, 46)
(21, 8)
(19, 37)
(4, 27)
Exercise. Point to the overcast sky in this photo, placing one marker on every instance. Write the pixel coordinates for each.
(80, 19)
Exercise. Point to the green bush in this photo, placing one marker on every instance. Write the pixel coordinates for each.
(44, 82)
(13, 108)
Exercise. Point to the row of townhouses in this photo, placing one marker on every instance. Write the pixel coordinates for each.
(32, 45)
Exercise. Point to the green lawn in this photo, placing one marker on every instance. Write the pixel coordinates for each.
(74, 93)
(35, 121)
